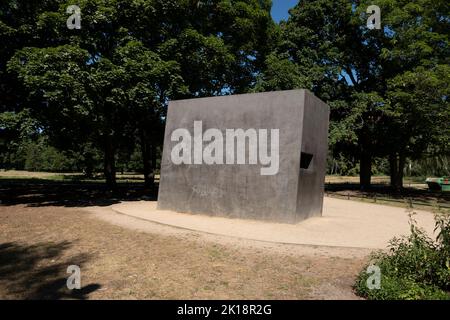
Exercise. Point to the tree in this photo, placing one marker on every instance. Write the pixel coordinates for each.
(17, 129)
(323, 48)
(57, 81)
(108, 84)
(414, 59)
(419, 100)
(148, 83)
(326, 47)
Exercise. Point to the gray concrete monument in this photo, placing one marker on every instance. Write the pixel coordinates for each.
(259, 156)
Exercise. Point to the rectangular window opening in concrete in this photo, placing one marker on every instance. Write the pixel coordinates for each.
(305, 160)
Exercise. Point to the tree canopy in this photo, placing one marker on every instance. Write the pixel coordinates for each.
(104, 88)
(388, 89)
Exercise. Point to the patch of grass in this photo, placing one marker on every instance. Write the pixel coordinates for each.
(218, 253)
(432, 203)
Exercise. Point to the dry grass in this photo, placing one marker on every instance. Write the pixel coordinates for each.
(38, 243)
(415, 182)
(22, 174)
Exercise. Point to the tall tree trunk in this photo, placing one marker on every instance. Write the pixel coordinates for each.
(149, 158)
(110, 163)
(401, 168)
(365, 170)
(88, 165)
(393, 164)
(397, 165)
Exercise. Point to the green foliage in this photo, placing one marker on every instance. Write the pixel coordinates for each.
(281, 74)
(436, 166)
(108, 84)
(105, 88)
(42, 157)
(16, 130)
(416, 267)
(419, 102)
(395, 288)
(388, 89)
(135, 162)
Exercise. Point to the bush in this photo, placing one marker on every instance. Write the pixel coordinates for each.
(416, 267)
(42, 157)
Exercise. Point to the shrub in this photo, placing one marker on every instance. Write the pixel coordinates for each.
(416, 267)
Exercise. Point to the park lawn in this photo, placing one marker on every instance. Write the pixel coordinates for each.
(416, 194)
(67, 176)
(38, 243)
(332, 179)
(376, 179)
(130, 177)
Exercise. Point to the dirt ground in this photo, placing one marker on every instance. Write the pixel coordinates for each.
(39, 242)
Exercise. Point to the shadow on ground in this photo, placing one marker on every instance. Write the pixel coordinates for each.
(39, 272)
(40, 192)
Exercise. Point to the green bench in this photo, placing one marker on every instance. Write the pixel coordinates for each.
(439, 184)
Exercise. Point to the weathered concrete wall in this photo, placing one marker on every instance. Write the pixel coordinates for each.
(239, 190)
(315, 142)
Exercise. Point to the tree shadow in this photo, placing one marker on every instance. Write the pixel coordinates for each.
(39, 272)
(39, 192)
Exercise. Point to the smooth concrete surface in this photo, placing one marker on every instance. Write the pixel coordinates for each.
(344, 224)
(239, 190)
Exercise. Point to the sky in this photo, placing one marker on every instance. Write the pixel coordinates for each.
(280, 9)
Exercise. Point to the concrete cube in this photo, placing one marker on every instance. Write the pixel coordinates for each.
(258, 156)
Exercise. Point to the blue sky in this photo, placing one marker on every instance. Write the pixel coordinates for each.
(280, 9)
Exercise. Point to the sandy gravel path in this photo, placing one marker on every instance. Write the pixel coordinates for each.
(347, 228)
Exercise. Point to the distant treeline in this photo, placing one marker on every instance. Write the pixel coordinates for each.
(40, 156)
